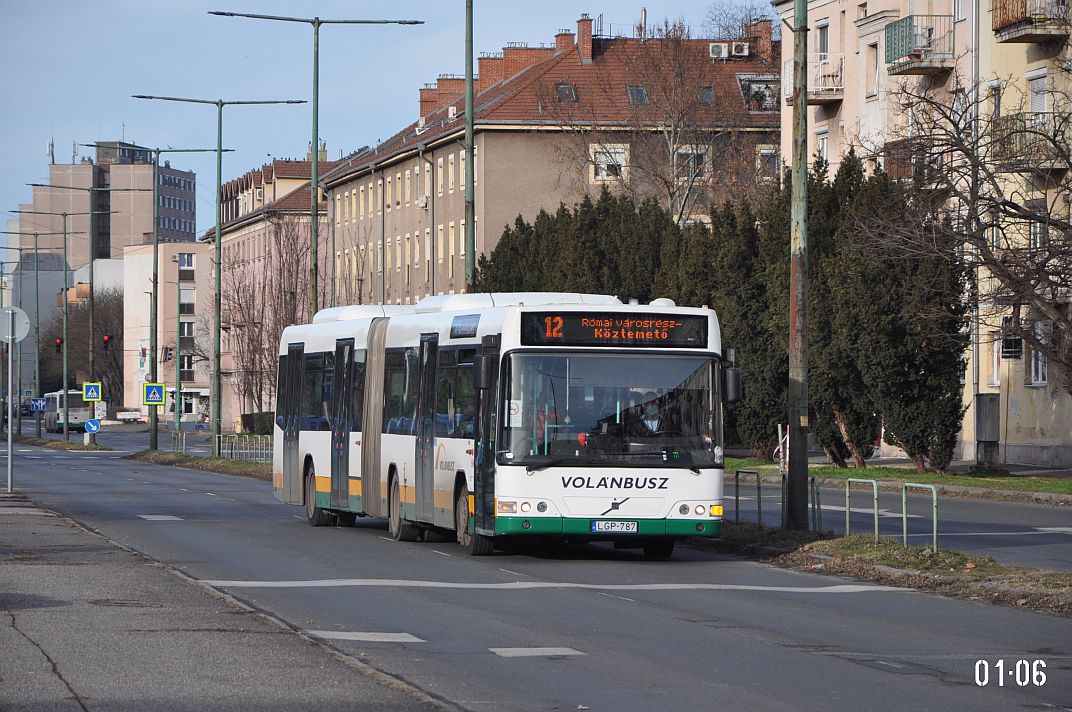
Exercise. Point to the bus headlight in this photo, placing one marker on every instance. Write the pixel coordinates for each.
(526, 507)
(507, 507)
(700, 509)
(684, 509)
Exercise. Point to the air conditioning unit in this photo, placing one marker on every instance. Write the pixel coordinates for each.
(718, 50)
(740, 49)
(452, 113)
(422, 202)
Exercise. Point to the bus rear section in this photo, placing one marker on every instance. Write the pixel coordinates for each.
(78, 411)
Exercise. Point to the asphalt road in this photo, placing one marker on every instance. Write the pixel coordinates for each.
(569, 628)
(1019, 534)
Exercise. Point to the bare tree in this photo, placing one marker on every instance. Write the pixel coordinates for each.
(685, 131)
(108, 317)
(998, 160)
(733, 19)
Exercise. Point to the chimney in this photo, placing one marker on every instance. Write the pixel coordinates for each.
(450, 88)
(584, 38)
(489, 70)
(759, 34)
(517, 56)
(428, 99)
(564, 40)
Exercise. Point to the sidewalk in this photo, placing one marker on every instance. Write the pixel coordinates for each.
(87, 625)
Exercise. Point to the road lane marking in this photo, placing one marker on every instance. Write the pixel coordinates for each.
(297, 516)
(513, 573)
(161, 517)
(517, 585)
(367, 637)
(534, 652)
(386, 538)
(441, 553)
(611, 595)
(210, 494)
(954, 535)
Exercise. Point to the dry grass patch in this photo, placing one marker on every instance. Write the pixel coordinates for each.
(223, 466)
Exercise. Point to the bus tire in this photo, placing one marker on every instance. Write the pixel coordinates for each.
(313, 514)
(401, 529)
(475, 544)
(659, 548)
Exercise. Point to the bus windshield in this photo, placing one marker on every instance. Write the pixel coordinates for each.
(652, 410)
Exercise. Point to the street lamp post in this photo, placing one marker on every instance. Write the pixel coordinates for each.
(92, 258)
(37, 311)
(66, 300)
(154, 299)
(217, 386)
(314, 181)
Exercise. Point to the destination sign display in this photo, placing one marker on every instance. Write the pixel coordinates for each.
(560, 328)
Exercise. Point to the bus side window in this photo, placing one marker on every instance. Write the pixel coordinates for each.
(280, 389)
(465, 402)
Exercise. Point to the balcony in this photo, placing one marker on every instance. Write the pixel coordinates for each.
(826, 79)
(1030, 20)
(1031, 142)
(919, 44)
(911, 160)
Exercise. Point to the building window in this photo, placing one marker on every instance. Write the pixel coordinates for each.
(960, 10)
(186, 260)
(822, 39)
(691, 164)
(388, 198)
(1012, 346)
(353, 205)
(822, 145)
(439, 244)
(338, 209)
(409, 187)
(638, 95)
(461, 169)
(463, 236)
(439, 176)
(398, 189)
(453, 237)
(427, 180)
(379, 256)
(768, 164)
(379, 195)
(609, 162)
(1039, 365)
(361, 203)
(1039, 228)
(872, 69)
(428, 254)
(566, 92)
(759, 91)
(995, 360)
(450, 172)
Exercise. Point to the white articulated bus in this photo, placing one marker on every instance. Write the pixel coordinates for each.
(507, 415)
(79, 411)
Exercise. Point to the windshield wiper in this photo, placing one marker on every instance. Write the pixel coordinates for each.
(552, 463)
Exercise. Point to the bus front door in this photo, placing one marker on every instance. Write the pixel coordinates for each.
(424, 475)
(340, 424)
(292, 474)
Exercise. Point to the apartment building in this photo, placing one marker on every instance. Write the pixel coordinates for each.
(552, 124)
(1000, 66)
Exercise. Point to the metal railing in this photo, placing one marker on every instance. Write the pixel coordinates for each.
(848, 512)
(251, 448)
(919, 37)
(934, 512)
(826, 74)
(1032, 138)
(737, 494)
(1006, 13)
(816, 514)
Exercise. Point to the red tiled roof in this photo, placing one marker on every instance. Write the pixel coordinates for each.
(602, 97)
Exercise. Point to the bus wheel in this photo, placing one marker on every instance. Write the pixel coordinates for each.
(400, 529)
(476, 544)
(313, 514)
(659, 548)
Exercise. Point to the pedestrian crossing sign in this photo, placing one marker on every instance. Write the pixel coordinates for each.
(152, 394)
(91, 392)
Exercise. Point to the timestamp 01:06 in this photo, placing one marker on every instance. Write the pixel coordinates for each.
(1022, 673)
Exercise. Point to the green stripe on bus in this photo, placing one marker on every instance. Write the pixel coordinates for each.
(583, 526)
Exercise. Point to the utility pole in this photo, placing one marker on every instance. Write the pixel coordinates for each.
(796, 509)
(470, 198)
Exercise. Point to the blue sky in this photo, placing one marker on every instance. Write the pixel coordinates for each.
(70, 67)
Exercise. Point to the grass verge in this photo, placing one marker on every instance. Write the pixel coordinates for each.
(995, 481)
(50, 444)
(224, 466)
(946, 572)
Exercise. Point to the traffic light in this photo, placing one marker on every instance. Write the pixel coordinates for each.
(165, 354)
(107, 341)
(59, 345)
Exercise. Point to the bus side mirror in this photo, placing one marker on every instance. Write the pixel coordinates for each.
(485, 376)
(731, 384)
